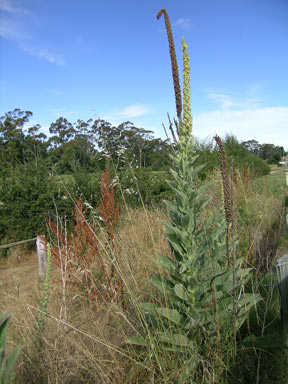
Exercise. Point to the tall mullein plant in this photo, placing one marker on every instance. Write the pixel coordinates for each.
(192, 283)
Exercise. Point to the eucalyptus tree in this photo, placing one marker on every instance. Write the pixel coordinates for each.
(12, 136)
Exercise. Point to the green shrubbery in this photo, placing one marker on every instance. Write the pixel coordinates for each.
(238, 157)
(27, 196)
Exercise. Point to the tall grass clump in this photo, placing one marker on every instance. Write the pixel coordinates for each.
(203, 302)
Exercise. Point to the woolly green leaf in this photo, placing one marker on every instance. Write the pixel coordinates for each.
(181, 195)
(198, 169)
(164, 287)
(136, 340)
(244, 305)
(206, 186)
(187, 264)
(187, 222)
(148, 308)
(2, 362)
(175, 339)
(175, 244)
(175, 176)
(250, 299)
(3, 330)
(165, 263)
(181, 292)
(171, 206)
(10, 361)
(171, 314)
(160, 284)
(263, 342)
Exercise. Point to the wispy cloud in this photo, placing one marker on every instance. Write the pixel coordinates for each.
(135, 110)
(55, 92)
(63, 113)
(129, 112)
(183, 23)
(259, 124)
(9, 6)
(224, 101)
(244, 116)
(44, 54)
(9, 30)
(13, 27)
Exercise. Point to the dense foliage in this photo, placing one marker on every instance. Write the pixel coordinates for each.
(269, 152)
(238, 157)
(38, 173)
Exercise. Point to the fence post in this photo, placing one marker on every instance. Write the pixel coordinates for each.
(41, 253)
(282, 274)
(286, 172)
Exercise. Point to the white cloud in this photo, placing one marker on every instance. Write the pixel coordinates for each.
(9, 6)
(43, 53)
(224, 101)
(13, 27)
(135, 110)
(183, 23)
(266, 125)
(129, 112)
(62, 113)
(55, 92)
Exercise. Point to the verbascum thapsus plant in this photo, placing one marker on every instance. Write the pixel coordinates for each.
(187, 322)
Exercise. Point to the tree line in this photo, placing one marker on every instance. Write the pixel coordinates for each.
(269, 152)
(39, 174)
(78, 145)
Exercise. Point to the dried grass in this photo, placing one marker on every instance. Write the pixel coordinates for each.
(87, 346)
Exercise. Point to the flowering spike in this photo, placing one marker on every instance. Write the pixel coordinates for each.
(186, 125)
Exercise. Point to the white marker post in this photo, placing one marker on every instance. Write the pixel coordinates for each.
(41, 253)
(282, 274)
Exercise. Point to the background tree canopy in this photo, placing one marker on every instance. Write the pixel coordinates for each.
(38, 172)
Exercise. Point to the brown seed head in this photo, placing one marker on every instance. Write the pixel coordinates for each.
(225, 181)
(175, 73)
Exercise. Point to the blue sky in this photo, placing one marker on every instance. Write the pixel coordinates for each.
(110, 59)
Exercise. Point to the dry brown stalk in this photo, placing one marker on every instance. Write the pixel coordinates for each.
(228, 216)
(171, 128)
(109, 213)
(174, 64)
(108, 209)
(235, 177)
(246, 177)
(76, 254)
(225, 181)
